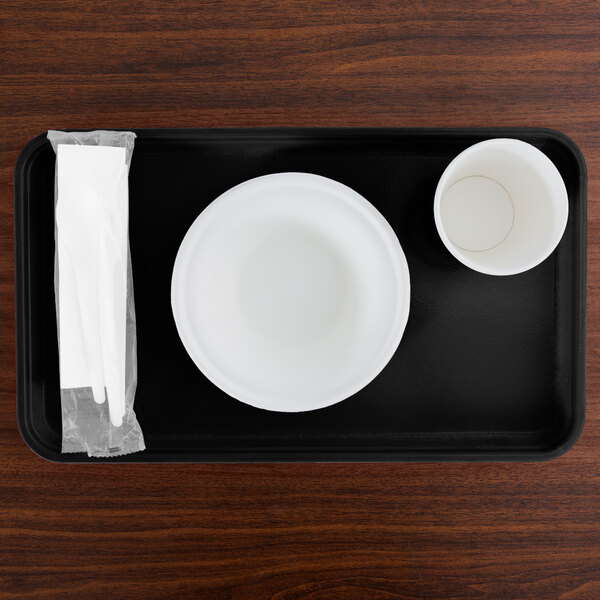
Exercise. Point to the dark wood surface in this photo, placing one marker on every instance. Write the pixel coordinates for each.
(291, 532)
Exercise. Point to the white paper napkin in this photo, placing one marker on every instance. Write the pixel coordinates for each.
(91, 219)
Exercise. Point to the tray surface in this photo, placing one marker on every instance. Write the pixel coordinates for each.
(489, 368)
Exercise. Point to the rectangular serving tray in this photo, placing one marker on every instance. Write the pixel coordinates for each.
(489, 368)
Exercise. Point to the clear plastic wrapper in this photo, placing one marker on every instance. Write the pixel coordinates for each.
(94, 293)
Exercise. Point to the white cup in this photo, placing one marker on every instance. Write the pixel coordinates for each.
(501, 207)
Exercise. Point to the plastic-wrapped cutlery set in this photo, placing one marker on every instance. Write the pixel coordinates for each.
(94, 293)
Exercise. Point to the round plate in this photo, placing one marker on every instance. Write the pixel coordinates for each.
(290, 292)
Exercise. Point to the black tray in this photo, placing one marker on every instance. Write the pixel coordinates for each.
(489, 368)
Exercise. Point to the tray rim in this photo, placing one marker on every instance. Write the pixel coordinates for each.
(23, 340)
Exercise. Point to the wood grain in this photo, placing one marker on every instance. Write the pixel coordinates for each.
(298, 532)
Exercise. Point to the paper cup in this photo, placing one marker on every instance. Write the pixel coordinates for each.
(501, 207)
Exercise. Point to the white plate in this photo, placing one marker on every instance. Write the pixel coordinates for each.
(290, 292)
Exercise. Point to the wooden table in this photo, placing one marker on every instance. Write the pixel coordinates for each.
(290, 532)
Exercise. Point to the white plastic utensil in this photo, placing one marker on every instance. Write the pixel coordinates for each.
(113, 291)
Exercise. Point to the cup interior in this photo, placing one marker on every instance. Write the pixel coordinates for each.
(501, 207)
